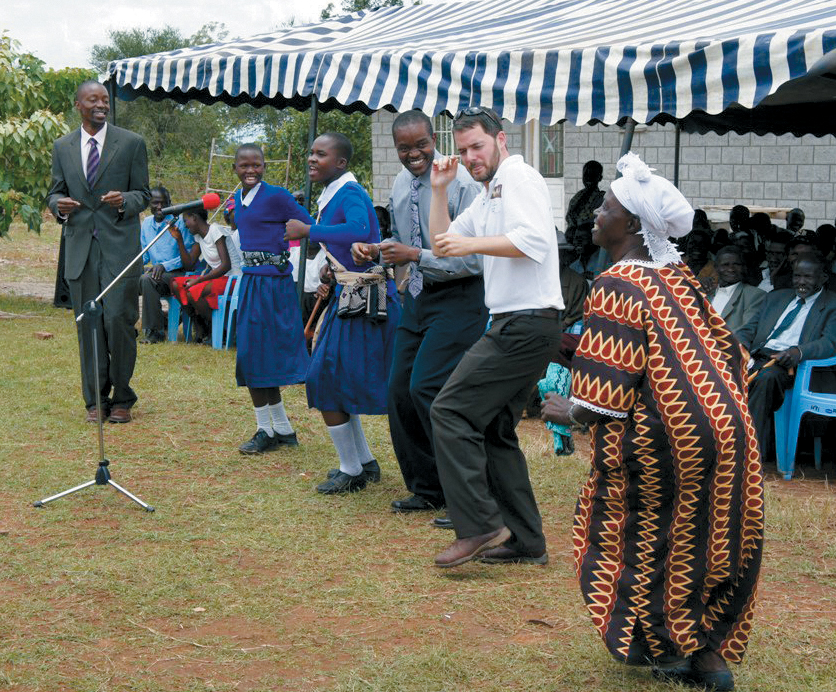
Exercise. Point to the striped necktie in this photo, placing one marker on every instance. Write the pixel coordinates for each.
(416, 278)
(92, 163)
(787, 321)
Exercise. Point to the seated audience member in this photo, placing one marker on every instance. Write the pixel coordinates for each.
(582, 206)
(745, 241)
(591, 260)
(739, 218)
(792, 325)
(778, 273)
(795, 220)
(219, 247)
(164, 258)
(701, 221)
(736, 301)
(697, 257)
(760, 226)
(802, 243)
(719, 238)
(826, 234)
(385, 222)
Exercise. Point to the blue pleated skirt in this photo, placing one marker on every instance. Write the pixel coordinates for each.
(270, 334)
(351, 361)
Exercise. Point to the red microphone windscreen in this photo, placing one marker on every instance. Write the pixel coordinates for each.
(211, 201)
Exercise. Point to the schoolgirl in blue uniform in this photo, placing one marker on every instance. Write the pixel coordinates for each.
(271, 350)
(351, 361)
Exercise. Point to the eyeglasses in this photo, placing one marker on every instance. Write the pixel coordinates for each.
(478, 110)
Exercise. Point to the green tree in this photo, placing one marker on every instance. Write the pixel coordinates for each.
(178, 136)
(349, 6)
(32, 107)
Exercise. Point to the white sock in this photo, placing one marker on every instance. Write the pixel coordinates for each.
(262, 419)
(364, 454)
(344, 442)
(280, 422)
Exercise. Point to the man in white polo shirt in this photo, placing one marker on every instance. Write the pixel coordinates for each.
(482, 469)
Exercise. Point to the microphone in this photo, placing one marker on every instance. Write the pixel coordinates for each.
(208, 201)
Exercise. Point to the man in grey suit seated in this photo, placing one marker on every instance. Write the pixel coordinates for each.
(737, 302)
(792, 325)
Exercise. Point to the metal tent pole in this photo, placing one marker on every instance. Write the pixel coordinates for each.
(676, 154)
(303, 244)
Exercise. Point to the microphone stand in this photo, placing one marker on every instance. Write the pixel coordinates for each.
(93, 311)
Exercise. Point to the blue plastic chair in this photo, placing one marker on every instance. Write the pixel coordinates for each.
(174, 316)
(219, 315)
(231, 309)
(788, 418)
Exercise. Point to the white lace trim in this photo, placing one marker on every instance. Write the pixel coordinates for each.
(597, 409)
(661, 249)
(641, 263)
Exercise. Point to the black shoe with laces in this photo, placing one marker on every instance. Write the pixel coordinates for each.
(370, 468)
(259, 443)
(342, 483)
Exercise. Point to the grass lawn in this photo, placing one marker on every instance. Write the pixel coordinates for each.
(246, 579)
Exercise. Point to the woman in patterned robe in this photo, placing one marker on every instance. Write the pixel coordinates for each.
(668, 528)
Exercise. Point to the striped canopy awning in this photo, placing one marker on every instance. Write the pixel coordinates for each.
(705, 63)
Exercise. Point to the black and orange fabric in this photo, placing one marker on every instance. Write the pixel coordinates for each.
(668, 529)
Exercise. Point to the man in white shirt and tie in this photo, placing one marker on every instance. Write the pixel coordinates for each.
(792, 325)
(736, 301)
(99, 186)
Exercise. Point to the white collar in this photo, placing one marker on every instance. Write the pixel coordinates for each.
(250, 196)
(99, 136)
(332, 188)
(728, 289)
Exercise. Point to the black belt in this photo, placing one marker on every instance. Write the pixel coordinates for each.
(536, 312)
(433, 286)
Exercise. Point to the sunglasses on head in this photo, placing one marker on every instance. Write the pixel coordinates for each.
(478, 110)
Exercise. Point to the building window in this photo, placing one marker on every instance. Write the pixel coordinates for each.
(443, 125)
(551, 150)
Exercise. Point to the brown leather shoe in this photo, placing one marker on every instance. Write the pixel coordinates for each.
(465, 549)
(92, 416)
(120, 414)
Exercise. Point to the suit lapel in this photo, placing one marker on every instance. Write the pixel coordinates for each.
(109, 151)
(735, 296)
(74, 152)
(812, 325)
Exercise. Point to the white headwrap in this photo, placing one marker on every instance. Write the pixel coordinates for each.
(663, 210)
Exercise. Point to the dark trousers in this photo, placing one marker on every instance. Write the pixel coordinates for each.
(482, 469)
(153, 291)
(435, 330)
(766, 395)
(115, 332)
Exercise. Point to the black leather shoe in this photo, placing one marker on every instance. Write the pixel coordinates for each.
(285, 440)
(154, 336)
(710, 672)
(442, 522)
(503, 555)
(370, 468)
(258, 444)
(414, 503)
(342, 483)
(672, 669)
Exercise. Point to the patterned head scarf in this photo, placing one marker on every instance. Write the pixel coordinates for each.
(663, 210)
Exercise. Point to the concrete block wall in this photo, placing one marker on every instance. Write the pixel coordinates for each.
(729, 169)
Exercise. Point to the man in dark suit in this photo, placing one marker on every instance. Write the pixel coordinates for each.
(99, 186)
(737, 302)
(792, 325)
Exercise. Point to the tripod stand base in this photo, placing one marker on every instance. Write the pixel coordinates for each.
(102, 478)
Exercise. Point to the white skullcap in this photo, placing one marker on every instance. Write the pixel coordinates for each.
(663, 210)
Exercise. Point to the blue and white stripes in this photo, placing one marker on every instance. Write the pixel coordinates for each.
(577, 60)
